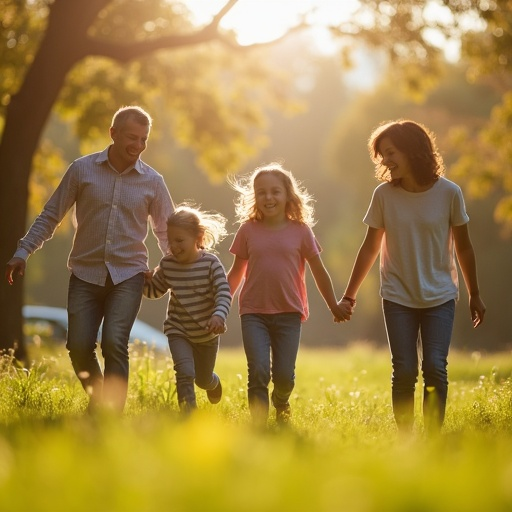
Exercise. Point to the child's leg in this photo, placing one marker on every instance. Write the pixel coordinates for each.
(183, 356)
(205, 355)
(285, 335)
(256, 338)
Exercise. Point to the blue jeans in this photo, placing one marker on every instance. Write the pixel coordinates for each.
(118, 306)
(193, 363)
(413, 335)
(271, 344)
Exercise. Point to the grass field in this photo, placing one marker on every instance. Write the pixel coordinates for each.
(341, 453)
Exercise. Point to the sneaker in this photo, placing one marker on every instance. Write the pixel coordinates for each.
(214, 395)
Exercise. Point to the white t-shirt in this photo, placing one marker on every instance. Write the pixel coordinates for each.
(417, 261)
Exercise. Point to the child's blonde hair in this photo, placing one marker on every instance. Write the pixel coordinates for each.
(209, 226)
(299, 203)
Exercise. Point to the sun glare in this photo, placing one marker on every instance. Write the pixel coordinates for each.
(257, 21)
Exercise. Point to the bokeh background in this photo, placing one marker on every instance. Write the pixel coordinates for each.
(309, 101)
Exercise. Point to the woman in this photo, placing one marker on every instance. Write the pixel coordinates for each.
(418, 222)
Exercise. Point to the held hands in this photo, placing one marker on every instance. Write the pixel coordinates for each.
(477, 309)
(148, 275)
(216, 325)
(343, 311)
(14, 267)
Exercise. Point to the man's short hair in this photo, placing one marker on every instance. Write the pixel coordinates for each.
(138, 114)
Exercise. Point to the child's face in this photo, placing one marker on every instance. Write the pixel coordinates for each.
(395, 160)
(184, 245)
(271, 197)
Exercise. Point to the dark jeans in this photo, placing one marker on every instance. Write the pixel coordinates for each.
(118, 306)
(193, 363)
(271, 344)
(413, 335)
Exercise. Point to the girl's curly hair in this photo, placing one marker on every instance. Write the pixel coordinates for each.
(299, 203)
(209, 226)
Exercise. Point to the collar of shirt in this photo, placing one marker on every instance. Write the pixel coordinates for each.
(103, 157)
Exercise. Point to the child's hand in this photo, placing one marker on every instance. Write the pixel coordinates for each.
(216, 325)
(148, 275)
(343, 312)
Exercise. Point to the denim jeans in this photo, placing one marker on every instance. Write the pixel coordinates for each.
(118, 306)
(414, 335)
(193, 363)
(271, 344)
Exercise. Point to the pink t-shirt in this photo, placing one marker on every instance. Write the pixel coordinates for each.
(275, 277)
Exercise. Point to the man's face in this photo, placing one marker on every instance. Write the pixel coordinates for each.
(130, 140)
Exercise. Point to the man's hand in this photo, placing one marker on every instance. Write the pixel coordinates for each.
(15, 266)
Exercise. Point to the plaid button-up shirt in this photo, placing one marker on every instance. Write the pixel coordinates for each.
(112, 211)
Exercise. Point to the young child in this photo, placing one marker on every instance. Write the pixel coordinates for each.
(270, 250)
(199, 301)
(418, 222)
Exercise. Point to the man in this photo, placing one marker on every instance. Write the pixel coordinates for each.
(115, 194)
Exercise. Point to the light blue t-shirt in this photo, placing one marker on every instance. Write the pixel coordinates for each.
(417, 259)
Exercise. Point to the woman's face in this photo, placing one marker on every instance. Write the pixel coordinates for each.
(395, 160)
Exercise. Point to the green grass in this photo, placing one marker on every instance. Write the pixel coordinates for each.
(342, 452)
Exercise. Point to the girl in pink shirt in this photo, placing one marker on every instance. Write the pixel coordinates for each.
(270, 252)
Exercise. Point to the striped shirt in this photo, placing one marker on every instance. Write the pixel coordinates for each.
(112, 212)
(198, 291)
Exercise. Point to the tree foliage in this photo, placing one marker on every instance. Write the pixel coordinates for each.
(486, 157)
(84, 58)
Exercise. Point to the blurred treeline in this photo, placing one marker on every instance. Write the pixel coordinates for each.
(324, 145)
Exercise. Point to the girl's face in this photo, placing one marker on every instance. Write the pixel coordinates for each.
(396, 161)
(271, 197)
(184, 245)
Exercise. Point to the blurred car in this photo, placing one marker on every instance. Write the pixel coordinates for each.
(51, 324)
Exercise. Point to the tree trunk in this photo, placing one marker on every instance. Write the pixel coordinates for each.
(64, 45)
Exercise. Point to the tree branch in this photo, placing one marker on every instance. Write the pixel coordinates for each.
(218, 17)
(124, 52)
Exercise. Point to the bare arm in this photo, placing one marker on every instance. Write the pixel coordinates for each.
(324, 284)
(365, 259)
(236, 274)
(467, 262)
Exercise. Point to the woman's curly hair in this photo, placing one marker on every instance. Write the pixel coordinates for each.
(416, 141)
